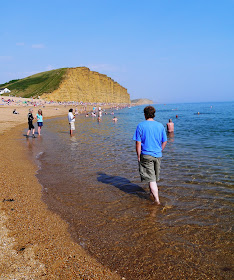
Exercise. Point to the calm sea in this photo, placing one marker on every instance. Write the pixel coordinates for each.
(92, 181)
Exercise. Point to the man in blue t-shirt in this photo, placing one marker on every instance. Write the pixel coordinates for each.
(151, 139)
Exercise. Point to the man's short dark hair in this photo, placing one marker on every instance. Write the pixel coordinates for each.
(70, 110)
(149, 112)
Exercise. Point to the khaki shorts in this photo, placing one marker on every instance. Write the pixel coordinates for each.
(149, 168)
(72, 126)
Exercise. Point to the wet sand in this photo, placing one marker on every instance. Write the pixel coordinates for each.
(91, 180)
(35, 243)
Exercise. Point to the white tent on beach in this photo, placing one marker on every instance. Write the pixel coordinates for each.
(4, 90)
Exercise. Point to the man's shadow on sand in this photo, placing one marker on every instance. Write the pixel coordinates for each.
(122, 184)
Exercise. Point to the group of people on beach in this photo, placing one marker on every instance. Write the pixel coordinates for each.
(39, 118)
(150, 137)
(71, 118)
(151, 140)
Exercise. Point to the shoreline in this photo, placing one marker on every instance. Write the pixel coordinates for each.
(35, 242)
(9, 120)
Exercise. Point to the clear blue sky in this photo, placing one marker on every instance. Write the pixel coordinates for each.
(165, 50)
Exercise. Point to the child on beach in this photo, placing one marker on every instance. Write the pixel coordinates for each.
(39, 121)
(30, 124)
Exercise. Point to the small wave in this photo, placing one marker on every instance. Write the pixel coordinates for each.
(39, 155)
(200, 113)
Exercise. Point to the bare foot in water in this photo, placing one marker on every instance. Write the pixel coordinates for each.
(154, 201)
(157, 203)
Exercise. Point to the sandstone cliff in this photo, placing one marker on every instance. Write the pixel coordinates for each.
(81, 84)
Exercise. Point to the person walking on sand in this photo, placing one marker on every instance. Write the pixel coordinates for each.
(170, 126)
(151, 139)
(30, 124)
(71, 120)
(39, 121)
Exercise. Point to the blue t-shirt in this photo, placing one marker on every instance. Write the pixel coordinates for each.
(39, 118)
(151, 134)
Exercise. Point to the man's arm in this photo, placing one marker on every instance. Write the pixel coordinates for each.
(138, 149)
(164, 145)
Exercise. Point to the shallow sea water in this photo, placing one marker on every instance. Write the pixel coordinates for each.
(92, 181)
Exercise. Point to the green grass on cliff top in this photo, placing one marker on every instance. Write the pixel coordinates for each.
(35, 85)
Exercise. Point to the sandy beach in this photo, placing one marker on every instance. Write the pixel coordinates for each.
(35, 243)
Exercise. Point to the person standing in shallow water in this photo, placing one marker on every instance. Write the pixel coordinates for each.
(30, 123)
(151, 140)
(114, 119)
(170, 126)
(39, 121)
(71, 120)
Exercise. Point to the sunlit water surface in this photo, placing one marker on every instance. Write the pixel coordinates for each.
(92, 181)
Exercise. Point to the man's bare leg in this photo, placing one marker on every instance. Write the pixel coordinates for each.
(154, 190)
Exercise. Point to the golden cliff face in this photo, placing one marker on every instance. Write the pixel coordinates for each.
(81, 84)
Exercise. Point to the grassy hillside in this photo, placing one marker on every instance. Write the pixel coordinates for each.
(35, 85)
